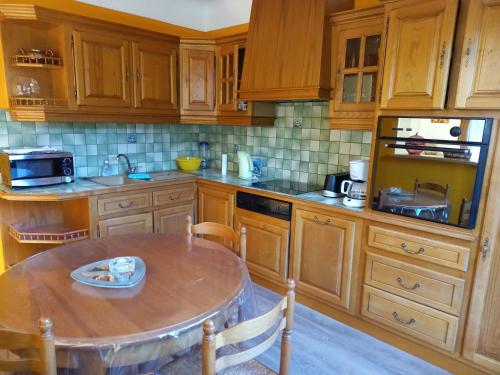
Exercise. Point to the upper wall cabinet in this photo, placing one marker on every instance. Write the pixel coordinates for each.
(478, 84)
(197, 74)
(61, 67)
(231, 110)
(102, 70)
(418, 52)
(155, 75)
(356, 37)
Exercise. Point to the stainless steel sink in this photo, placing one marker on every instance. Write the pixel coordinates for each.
(117, 180)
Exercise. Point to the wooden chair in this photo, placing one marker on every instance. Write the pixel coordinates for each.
(42, 360)
(281, 314)
(238, 240)
(444, 190)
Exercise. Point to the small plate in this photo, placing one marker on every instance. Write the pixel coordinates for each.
(97, 274)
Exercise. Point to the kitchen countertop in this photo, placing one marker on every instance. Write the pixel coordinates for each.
(83, 187)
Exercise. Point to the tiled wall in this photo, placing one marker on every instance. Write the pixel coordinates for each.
(302, 154)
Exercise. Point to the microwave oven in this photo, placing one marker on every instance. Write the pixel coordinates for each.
(430, 168)
(35, 167)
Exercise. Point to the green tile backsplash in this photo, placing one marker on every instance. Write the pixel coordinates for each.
(306, 153)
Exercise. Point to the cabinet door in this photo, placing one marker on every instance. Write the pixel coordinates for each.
(418, 51)
(216, 206)
(155, 69)
(481, 343)
(141, 223)
(322, 256)
(102, 70)
(267, 244)
(479, 81)
(172, 220)
(198, 79)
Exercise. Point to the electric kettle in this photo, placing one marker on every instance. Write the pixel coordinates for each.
(245, 165)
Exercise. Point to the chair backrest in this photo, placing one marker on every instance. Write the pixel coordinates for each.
(238, 240)
(432, 187)
(280, 316)
(43, 360)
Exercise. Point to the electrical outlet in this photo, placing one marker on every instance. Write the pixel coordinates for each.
(297, 123)
(132, 138)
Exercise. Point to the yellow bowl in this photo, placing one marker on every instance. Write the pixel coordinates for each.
(188, 163)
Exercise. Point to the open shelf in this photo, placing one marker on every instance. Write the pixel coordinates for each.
(49, 234)
(29, 61)
(30, 102)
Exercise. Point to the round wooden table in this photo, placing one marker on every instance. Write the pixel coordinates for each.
(187, 280)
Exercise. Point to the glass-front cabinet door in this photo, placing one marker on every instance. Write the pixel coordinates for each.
(230, 66)
(355, 68)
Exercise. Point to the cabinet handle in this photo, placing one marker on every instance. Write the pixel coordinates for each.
(174, 198)
(403, 285)
(318, 221)
(467, 53)
(404, 246)
(442, 56)
(128, 205)
(397, 318)
(485, 249)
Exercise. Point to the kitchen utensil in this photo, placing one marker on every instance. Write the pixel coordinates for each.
(245, 165)
(189, 163)
(333, 183)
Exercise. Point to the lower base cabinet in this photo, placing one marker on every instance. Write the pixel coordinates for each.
(172, 220)
(140, 223)
(267, 245)
(322, 256)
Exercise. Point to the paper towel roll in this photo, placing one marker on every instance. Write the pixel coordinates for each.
(224, 164)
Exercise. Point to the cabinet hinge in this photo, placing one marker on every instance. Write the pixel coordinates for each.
(72, 41)
(98, 231)
(485, 249)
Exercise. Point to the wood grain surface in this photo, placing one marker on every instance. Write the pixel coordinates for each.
(187, 280)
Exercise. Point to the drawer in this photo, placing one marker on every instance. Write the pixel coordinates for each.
(418, 247)
(410, 318)
(431, 288)
(141, 223)
(122, 203)
(180, 194)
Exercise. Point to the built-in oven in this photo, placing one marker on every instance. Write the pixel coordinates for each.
(430, 168)
(35, 167)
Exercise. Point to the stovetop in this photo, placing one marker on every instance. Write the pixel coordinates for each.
(286, 186)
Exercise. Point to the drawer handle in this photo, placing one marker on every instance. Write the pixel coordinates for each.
(403, 285)
(397, 318)
(404, 246)
(128, 205)
(174, 198)
(318, 221)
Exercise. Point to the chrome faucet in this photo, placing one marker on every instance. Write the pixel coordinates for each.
(130, 169)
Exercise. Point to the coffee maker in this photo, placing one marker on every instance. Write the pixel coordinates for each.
(355, 188)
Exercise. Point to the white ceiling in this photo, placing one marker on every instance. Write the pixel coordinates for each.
(202, 15)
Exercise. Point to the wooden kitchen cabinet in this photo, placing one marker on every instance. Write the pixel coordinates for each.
(140, 223)
(418, 47)
(478, 84)
(155, 75)
(215, 204)
(267, 245)
(481, 344)
(322, 256)
(356, 37)
(197, 76)
(102, 69)
(172, 220)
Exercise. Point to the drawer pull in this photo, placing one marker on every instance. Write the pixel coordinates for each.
(404, 246)
(397, 318)
(128, 205)
(173, 197)
(403, 285)
(318, 221)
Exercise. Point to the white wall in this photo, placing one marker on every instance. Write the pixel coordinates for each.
(203, 15)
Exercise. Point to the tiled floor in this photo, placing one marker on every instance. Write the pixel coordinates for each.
(324, 346)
